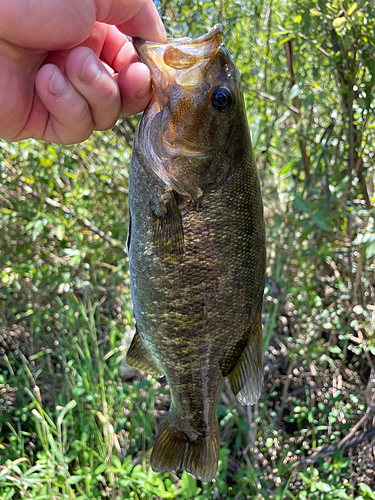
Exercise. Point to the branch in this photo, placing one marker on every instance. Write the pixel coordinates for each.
(273, 99)
(329, 450)
(296, 103)
(82, 221)
(319, 145)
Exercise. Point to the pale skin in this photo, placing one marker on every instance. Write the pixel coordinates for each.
(67, 68)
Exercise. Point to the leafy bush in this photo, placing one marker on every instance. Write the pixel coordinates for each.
(71, 425)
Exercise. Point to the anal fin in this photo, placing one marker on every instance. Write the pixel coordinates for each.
(139, 357)
(246, 378)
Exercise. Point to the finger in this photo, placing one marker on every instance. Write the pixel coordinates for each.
(95, 42)
(16, 96)
(61, 25)
(69, 120)
(138, 18)
(47, 25)
(95, 84)
(134, 82)
(117, 50)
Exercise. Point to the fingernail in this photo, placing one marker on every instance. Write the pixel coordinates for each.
(91, 70)
(144, 90)
(57, 83)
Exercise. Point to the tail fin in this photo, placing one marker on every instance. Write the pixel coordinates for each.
(173, 450)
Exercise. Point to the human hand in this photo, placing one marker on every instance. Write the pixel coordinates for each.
(53, 83)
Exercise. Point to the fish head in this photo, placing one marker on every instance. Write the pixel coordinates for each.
(193, 128)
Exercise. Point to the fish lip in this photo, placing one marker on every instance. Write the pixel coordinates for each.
(217, 29)
(178, 54)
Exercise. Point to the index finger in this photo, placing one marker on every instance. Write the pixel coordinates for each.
(138, 18)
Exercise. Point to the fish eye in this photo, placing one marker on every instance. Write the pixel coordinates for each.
(221, 99)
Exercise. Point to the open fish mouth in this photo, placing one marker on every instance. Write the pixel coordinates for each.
(187, 56)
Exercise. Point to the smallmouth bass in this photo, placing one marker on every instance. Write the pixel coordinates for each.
(196, 246)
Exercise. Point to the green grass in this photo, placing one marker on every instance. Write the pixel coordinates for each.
(90, 439)
(70, 428)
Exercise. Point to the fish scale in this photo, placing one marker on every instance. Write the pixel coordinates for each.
(196, 250)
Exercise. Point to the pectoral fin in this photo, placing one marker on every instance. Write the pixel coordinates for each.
(167, 230)
(139, 357)
(246, 378)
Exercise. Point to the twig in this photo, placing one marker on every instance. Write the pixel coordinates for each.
(365, 458)
(329, 450)
(296, 103)
(343, 443)
(309, 40)
(273, 99)
(82, 221)
(315, 45)
(319, 145)
(288, 378)
(301, 390)
(316, 388)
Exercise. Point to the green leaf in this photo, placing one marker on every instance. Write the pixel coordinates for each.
(269, 443)
(162, 494)
(188, 486)
(116, 461)
(68, 174)
(335, 349)
(286, 168)
(315, 12)
(101, 468)
(68, 407)
(323, 486)
(286, 39)
(304, 478)
(302, 204)
(339, 23)
(37, 229)
(352, 8)
(60, 232)
(320, 221)
(295, 91)
(370, 250)
(367, 489)
(75, 479)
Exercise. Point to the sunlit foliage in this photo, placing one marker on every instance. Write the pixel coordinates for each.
(71, 426)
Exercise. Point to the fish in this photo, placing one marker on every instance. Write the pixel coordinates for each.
(196, 246)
